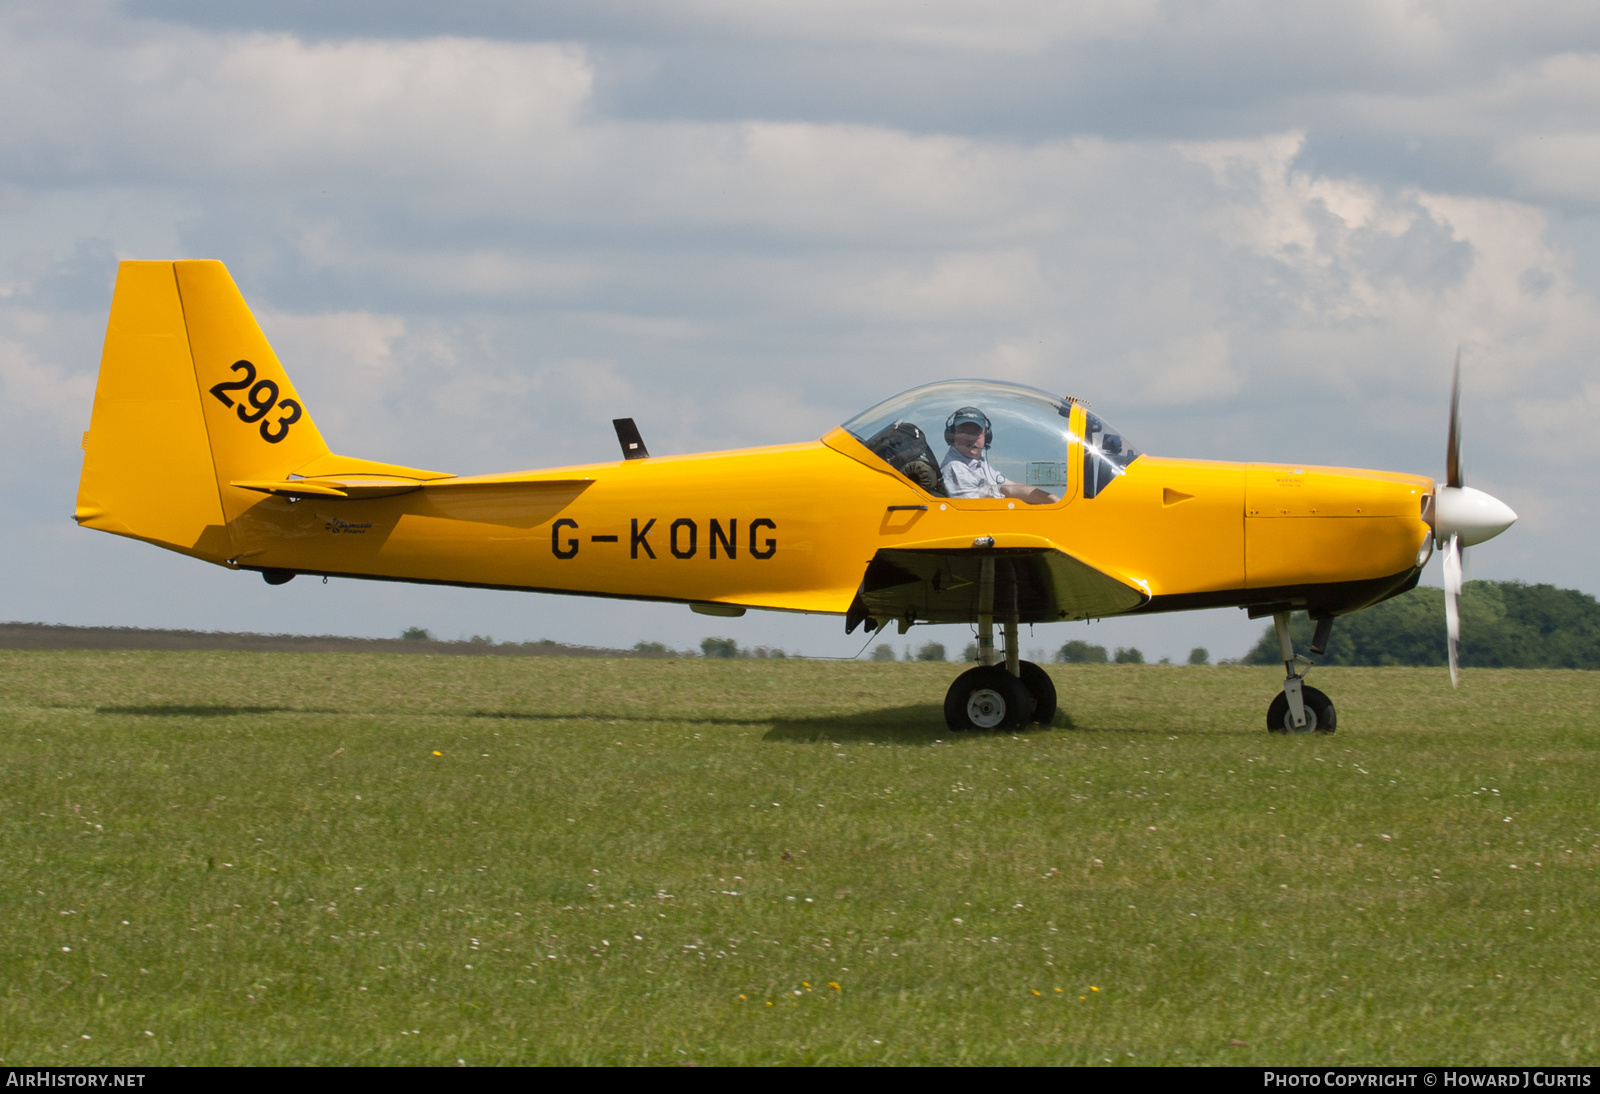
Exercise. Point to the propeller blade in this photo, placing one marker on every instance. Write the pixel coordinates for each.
(1452, 447)
(1452, 608)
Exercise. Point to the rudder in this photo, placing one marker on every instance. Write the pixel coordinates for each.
(257, 425)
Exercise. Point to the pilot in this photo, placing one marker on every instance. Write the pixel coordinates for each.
(966, 469)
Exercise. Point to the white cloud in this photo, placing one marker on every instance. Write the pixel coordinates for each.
(189, 106)
(1016, 26)
(1562, 166)
(39, 399)
(345, 367)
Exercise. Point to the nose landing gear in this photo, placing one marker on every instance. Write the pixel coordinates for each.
(1299, 708)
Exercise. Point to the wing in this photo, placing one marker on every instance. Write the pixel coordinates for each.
(938, 583)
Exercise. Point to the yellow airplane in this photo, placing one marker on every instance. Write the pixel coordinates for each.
(1038, 512)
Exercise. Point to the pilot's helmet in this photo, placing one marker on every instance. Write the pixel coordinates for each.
(968, 415)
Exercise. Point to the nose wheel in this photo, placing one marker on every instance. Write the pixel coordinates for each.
(1320, 717)
(1300, 708)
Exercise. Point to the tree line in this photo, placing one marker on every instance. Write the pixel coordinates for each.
(1504, 624)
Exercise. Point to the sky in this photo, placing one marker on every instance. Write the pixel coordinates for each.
(477, 232)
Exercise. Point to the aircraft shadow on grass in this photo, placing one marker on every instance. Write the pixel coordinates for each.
(921, 724)
(200, 711)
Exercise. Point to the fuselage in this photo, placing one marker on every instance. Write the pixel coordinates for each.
(793, 528)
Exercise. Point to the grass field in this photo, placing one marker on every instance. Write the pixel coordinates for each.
(329, 858)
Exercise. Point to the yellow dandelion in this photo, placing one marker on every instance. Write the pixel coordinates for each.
(805, 984)
(1081, 998)
(1093, 988)
(1058, 991)
(769, 1002)
(741, 998)
(436, 752)
(834, 984)
(1034, 990)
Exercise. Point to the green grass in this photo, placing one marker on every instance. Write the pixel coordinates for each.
(258, 858)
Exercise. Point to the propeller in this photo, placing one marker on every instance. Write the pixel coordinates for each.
(1461, 516)
(1452, 605)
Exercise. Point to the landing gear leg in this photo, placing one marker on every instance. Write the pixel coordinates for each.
(986, 611)
(1291, 683)
(991, 696)
(1300, 708)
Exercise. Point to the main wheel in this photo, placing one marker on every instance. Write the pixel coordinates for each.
(1042, 690)
(1320, 715)
(987, 697)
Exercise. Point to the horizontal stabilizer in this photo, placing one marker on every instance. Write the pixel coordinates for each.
(335, 466)
(367, 486)
(361, 487)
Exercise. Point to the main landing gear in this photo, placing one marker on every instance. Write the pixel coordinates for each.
(1299, 708)
(998, 696)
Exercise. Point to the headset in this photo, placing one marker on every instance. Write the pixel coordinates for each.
(962, 416)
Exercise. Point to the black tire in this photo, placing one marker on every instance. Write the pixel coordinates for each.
(987, 697)
(1320, 715)
(1042, 690)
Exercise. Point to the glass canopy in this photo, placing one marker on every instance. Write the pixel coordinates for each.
(982, 438)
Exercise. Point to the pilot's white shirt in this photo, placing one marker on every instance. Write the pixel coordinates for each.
(964, 478)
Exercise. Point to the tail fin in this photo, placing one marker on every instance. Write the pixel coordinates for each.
(190, 398)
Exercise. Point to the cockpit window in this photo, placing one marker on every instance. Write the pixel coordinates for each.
(973, 439)
(1106, 455)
